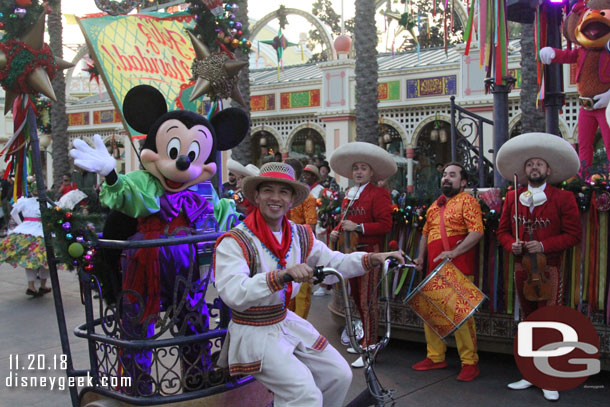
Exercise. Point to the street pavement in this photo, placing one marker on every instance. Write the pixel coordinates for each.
(28, 326)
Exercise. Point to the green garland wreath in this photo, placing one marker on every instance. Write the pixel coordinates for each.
(74, 237)
(21, 61)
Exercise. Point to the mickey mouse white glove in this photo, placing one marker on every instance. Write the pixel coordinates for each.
(547, 54)
(96, 160)
(601, 100)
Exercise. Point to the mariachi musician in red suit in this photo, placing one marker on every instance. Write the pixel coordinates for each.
(547, 217)
(367, 210)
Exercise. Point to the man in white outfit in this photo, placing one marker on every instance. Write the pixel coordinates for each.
(283, 351)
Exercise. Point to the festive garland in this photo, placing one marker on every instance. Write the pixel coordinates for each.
(217, 28)
(17, 17)
(115, 8)
(329, 207)
(21, 61)
(74, 237)
(411, 216)
(43, 109)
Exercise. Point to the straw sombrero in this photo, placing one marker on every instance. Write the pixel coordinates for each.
(347, 155)
(557, 152)
(275, 172)
(236, 168)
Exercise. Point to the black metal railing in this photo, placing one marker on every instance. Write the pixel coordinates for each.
(167, 357)
(467, 145)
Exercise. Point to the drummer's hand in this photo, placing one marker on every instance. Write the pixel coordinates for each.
(517, 248)
(334, 235)
(301, 273)
(533, 246)
(419, 263)
(377, 259)
(348, 225)
(445, 255)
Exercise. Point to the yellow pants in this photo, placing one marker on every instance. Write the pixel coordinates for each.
(465, 338)
(302, 302)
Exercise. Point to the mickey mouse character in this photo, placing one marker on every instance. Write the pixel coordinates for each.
(588, 25)
(178, 152)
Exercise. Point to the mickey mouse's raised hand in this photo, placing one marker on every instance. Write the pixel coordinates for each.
(96, 159)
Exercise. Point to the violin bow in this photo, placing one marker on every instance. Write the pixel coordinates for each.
(515, 179)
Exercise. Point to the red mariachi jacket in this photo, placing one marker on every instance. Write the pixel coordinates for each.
(374, 210)
(560, 217)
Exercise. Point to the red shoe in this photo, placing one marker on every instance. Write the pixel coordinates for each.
(429, 364)
(468, 373)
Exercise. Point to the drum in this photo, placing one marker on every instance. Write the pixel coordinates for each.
(445, 299)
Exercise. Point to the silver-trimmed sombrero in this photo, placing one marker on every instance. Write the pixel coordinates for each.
(557, 152)
(347, 155)
(237, 168)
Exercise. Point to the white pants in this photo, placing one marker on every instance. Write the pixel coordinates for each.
(304, 377)
(31, 274)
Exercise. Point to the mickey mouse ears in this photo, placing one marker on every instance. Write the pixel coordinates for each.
(142, 106)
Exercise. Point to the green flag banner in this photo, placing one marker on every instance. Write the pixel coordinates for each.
(151, 48)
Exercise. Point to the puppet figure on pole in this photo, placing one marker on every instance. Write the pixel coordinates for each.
(587, 26)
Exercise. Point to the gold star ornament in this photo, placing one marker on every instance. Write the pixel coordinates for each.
(38, 79)
(216, 75)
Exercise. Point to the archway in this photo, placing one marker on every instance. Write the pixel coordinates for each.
(433, 148)
(460, 11)
(315, 21)
(306, 144)
(265, 147)
(390, 139)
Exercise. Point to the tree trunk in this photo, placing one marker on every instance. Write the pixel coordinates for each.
(532, 119)
(59, 120)
(243, 152)
(365, 44)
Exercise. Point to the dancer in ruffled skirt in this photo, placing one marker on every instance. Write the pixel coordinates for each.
(24, 246)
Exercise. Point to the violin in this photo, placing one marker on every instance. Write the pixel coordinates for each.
(537, 287)
(347, 242)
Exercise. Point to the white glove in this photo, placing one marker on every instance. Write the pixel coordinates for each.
(601, 100)
(547, 54)
(96, 160)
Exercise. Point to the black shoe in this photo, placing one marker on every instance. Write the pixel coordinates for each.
(44, 290)
(32, 293)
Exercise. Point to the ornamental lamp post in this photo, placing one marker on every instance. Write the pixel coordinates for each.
(553, 95)
(524, 11)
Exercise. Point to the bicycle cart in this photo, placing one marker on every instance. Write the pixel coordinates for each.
(168, 360)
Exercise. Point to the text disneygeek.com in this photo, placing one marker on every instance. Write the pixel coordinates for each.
(24, 372)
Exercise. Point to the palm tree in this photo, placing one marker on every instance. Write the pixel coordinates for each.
(532, 119)
(365, 44)
(243, 152)
(59, 120)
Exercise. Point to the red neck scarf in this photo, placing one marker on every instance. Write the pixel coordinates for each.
(257, 224)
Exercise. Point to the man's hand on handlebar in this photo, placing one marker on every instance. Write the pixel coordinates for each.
(300, 273)
(419, 263)
(377, 259)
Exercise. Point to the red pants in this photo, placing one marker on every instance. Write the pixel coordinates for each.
(588, 121)
(527, 307)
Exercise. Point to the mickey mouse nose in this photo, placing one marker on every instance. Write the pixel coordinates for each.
(182, 163)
